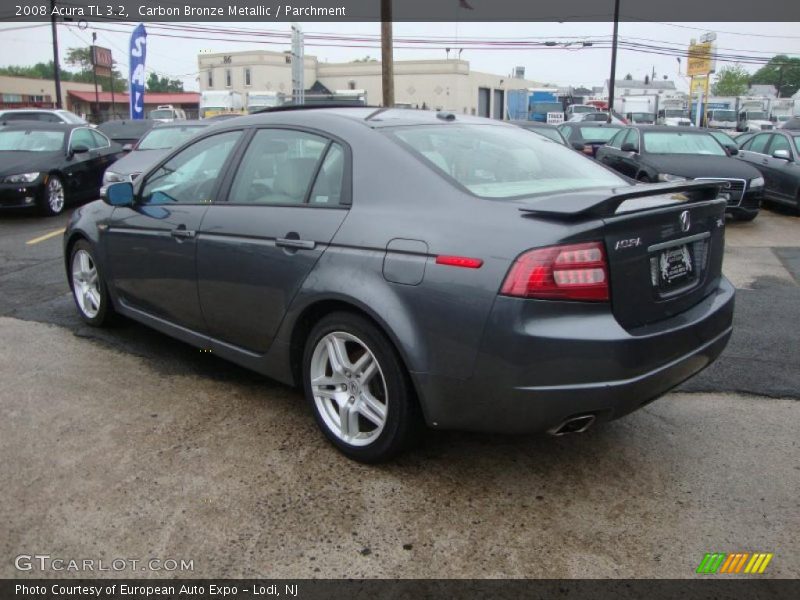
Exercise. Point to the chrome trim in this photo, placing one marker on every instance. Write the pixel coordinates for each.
(679, 242)
(725, 179)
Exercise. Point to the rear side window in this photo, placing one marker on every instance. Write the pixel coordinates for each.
(502, 162)
(279, 167)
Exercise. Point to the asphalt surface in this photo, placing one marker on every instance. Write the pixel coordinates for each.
(123, 443)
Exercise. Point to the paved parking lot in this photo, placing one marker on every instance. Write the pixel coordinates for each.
(127, 444)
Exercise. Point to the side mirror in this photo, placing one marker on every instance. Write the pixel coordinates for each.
(119, 194)
(732, 150)
(579, 146)
(782, 154)
(127, 147)
(77, 149)
(628, 147)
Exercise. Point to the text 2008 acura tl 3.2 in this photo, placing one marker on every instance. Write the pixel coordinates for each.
(410, 267)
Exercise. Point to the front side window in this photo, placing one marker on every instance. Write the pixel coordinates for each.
(632, 137)
(758, 143)
(503, 162)
(100, 140)
(797, 143)
(780, 143)
(83, 137)
(278, 168)
(663, 142)
(616, 141)
(190, 176)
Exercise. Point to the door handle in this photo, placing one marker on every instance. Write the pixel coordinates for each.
(183, 233)
(295, 244)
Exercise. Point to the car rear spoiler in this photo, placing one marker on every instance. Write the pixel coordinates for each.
(595, 204)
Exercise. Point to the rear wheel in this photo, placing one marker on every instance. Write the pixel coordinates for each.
(358, 388)
(53, 199)
(643, 178)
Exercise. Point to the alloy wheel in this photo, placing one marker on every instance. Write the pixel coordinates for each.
(349, 388)
(85, 283)
(55, 195)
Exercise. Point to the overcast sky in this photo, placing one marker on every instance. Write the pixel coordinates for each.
(178, 58)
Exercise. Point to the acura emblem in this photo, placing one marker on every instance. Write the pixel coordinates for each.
(686, 222)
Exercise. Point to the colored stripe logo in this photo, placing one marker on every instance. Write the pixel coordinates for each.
(734, 562)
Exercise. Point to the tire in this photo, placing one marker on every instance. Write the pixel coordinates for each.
(745, 217)
(89, 290)
(643, 178)
(352, 370)
(53, 197)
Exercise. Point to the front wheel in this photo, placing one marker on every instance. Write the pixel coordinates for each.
(88, 288)
(358, 388)
(53, 199)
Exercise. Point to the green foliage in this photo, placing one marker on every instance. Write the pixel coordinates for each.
(731, 81)
(770, 74)
(79, 58)
(163, 84)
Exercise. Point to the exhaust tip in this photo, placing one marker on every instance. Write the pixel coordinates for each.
(573, 425)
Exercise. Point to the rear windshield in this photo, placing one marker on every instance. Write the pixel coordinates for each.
(723, 115)
(663, 142)
(162, 138)
(577, 108)
(552, 134)
(503, 162)
(598, 134)
(546, 107)
(36, 140)
(162, 113)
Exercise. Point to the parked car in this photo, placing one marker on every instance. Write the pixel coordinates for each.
(741, 138)
(126, 131)
(792, 124)
(155, 144)
(660, 153)
(406, 266)
(591, 135)
(166, 113)
(598, 117)
(547, 130)
(727, 141)
(50, 165)
(777, 156)
(43, 115)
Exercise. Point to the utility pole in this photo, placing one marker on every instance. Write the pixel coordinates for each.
(387, 61)
(94, 75)
(780, 78)
(613, 60)
(113, 101)
(56, 65)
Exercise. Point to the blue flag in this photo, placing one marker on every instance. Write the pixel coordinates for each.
(138, 52)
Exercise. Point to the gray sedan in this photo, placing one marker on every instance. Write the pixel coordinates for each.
(411, 268)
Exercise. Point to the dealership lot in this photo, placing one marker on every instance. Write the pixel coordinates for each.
(124, 443)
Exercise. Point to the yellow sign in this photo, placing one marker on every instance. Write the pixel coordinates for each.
(698, 85)
(700, 59)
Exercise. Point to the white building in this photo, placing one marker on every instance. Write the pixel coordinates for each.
(447, 84)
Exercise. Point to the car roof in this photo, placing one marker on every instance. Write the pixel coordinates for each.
(183, 123)
(533, 124)
(371, 116)
(580, 124)
(671, 128)
(35, 125)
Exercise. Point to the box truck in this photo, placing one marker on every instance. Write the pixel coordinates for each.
(215, 102)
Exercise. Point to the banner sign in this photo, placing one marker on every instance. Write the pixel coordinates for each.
(138, 52)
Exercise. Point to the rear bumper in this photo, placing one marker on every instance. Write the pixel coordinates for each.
(543, 362)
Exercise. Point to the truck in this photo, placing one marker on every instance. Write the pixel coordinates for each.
(673, 112)
(259, 100)
(215, 102)
(781, 110)
(721, 112)
(753, 116)
(638, 110)
(535, 104)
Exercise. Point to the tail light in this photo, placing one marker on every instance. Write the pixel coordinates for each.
(568, 272)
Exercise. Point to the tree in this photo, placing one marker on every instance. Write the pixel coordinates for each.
(163, 84)
(628, 77)
(82, 59)
(781, 71)
(731, 81)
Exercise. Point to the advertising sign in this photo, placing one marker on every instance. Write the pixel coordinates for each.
(138, 53)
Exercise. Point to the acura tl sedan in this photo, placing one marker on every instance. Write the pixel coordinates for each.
(410, 268)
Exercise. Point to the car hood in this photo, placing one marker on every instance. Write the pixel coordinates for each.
(693, 166)
(14, 163)
(137, 161)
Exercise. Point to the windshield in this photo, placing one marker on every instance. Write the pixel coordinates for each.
(663, 142)
(163, 138)
(577, 108)
(503, 162)
(163, 113)
(756, 115)
(31, 140)
(723, 115)
(70, 117)
(676, 113)
(546, 107)
(598, 134)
